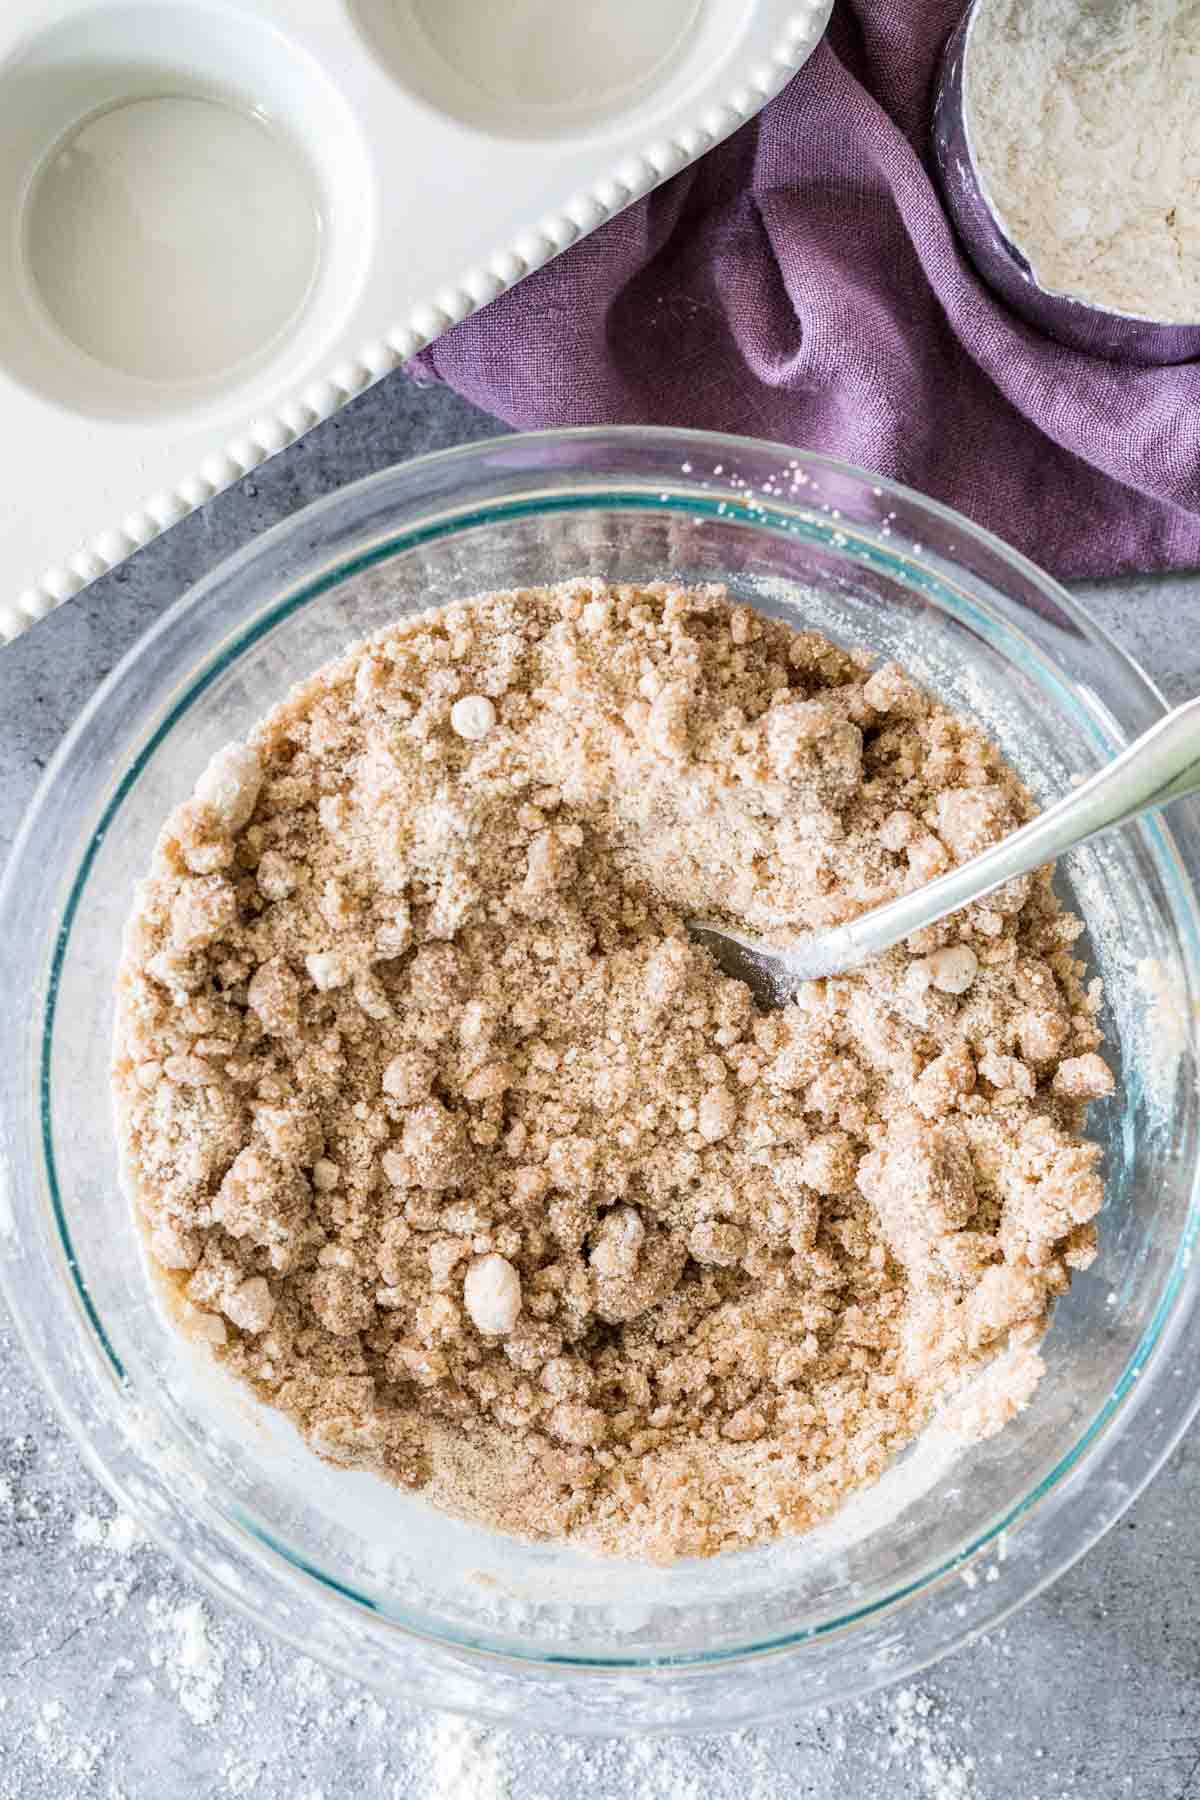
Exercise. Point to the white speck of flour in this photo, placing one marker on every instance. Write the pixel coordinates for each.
(196, 1664)
(944, 1772)
(463, 1763)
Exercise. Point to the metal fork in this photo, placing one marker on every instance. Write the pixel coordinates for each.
(1160, 766)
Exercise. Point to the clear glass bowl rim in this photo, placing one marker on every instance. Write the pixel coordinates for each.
(1061, 1493)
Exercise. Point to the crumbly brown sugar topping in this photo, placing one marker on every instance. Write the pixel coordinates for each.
(461, 1153)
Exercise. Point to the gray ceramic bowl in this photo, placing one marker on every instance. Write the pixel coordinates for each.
(1122, 337)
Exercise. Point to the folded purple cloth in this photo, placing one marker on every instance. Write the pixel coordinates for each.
(802, 282)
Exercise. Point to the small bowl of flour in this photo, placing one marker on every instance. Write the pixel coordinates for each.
(1068, 142)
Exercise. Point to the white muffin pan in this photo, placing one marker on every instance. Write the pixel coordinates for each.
(221, 219)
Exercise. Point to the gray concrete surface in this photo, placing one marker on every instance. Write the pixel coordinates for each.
(117, 1680)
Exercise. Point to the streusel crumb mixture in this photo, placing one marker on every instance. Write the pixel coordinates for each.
(462, 1154)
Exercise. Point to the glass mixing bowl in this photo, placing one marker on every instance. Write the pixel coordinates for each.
(370, 1580)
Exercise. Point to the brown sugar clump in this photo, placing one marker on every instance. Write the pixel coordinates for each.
(456, 1148)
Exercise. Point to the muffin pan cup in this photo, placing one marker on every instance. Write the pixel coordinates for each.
(222, 219)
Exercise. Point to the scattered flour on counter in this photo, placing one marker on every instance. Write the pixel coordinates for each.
(905, 1738)
(921, 1743)
(245, 1775)
(119, 1711)
(195, 1664)
(121, 1533)
(88, 1529)
(463, 1764)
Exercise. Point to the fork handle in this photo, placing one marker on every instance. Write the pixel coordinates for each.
(1161, 765)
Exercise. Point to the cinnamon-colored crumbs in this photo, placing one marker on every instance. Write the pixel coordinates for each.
(461, 1152)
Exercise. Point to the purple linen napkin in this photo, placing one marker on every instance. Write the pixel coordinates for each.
(802, 282)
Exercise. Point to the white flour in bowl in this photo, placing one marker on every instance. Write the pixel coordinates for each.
(1085, 130)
